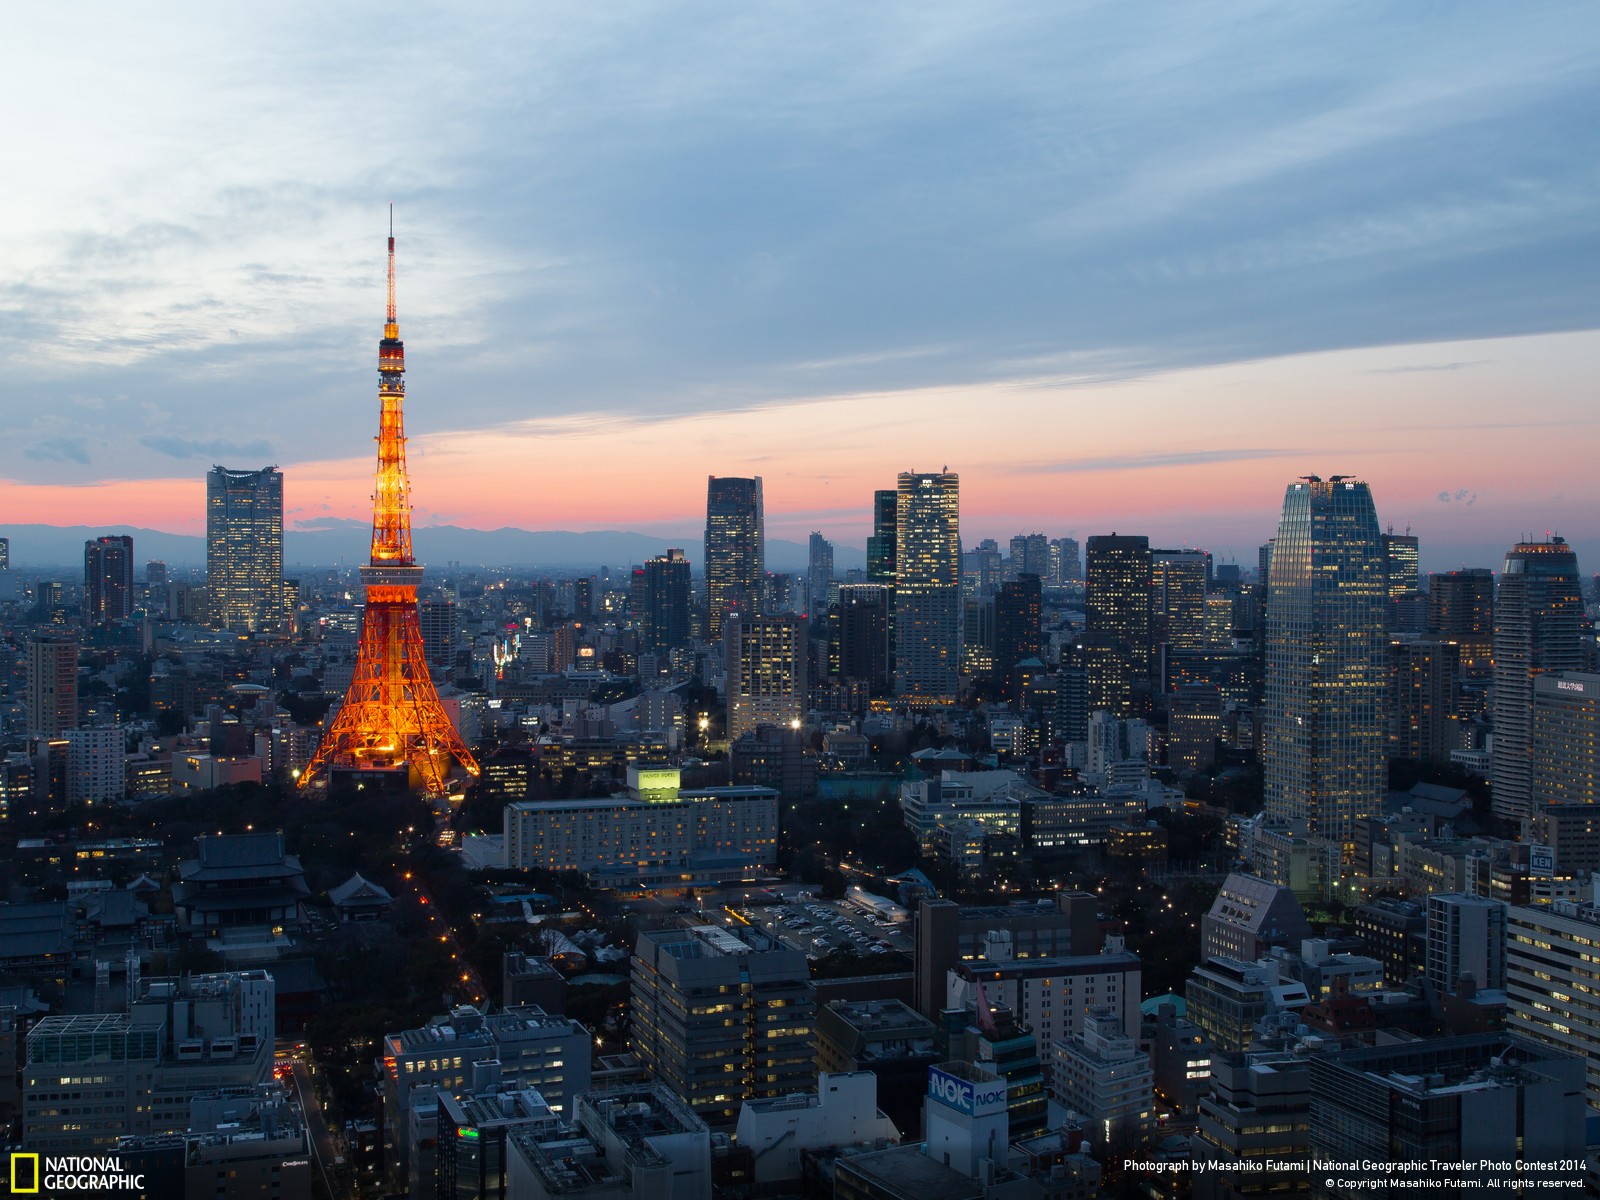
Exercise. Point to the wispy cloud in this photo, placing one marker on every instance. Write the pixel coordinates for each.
(1155, 459)
(181, 447)
(58, 448)
(1425, 367)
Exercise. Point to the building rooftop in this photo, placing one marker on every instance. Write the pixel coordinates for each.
(878, 1016)
(908, 1171)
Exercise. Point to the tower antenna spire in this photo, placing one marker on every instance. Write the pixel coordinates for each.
(392, 318)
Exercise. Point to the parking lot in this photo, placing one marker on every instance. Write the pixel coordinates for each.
(820, 927)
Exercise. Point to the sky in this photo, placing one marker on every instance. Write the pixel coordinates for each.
(1123, 267)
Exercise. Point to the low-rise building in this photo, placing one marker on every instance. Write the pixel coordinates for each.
(654, 835)
(1103, 1079)
(640, 1143)
(843, 1111)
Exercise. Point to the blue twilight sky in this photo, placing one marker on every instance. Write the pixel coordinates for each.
(628, 217)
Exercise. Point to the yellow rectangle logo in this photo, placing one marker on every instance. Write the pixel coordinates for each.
(26, 1181)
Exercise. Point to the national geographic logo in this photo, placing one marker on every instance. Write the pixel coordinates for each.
(32, 1174)
(24, 1174)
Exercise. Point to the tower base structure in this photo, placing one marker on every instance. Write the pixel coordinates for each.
(393, 724)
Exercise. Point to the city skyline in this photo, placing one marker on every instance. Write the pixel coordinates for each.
(838, 240)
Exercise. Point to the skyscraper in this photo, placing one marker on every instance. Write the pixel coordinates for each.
(1461, 610)
(1117, 604)
(766, 671)
(1178, 598)
(244, 549)
(664, 619)
(927, 600)
(107, 579)
(858, 634)
(1538, 627)
(1424, 699)
(736, 558)
(1016, 631)
(1066, 560)
(819, 576)
(1325, 730)
(1030, 555)
(881, 543)
(52, 684)
(1401, 581)
(440, 624)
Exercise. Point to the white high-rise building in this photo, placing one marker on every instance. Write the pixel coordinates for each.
(96, 771)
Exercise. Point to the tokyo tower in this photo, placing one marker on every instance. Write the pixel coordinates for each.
(392, 718)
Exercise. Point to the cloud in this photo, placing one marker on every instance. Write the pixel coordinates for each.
(1449, 366)
(1140, 462)
(61, 447)
(180, 447)
(1459, 496)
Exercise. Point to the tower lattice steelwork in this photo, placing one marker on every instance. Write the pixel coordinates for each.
(392, 716)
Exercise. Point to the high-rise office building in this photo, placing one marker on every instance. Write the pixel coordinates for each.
(719, 1019)
(927, 599)
(736, 557)
(881, 543)
(982, 569)
(1401, 581)
(440, 623)
(1461, 610)
(1325, 731)
(1030, 555)
(1178, 598)
(820, 575)
(766, 671)
(1424, 699)
(881, 551)
(664, 602)
(1538, 627)
(155, 588)
(858, 635)
(107, 579)
(1017, 610)
(1264, 562)
(1552, 996)
(52, 684)
(1117, 605)
(1566, 739)
(244, 549)
(5, 554)
(1066, 561)
(1466, 936)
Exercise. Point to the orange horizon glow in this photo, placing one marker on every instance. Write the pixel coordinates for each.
(1207, 449)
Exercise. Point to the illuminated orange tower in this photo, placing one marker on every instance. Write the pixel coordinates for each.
(392, 718)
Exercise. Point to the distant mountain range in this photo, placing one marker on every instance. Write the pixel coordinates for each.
(50, 547)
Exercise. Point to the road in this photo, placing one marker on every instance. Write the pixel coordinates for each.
(467, 983)
(323, 1150)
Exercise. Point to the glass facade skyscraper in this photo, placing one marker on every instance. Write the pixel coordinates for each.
(107, 579)
(1538, 627)
(1325, 735)
(244, 549)
(1117, 606)
(736, 558)
(927, 594)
